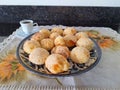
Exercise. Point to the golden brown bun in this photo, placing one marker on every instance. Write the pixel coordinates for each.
(38, 56)
(57, 63)
(59, 41)
(37, 37)
(70, 31)
(85, 42)
(47, 43)
(70, 40)
(63, 50)
(57, 30)
(45, 32)
(80, 55)
(81, 35)
(30, 45)
(54, 35)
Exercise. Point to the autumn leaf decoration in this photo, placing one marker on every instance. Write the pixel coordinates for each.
(104, 41)
(9, 67)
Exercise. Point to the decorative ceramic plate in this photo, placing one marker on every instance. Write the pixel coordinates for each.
(75, 69)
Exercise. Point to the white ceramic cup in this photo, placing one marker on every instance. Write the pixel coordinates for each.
(27, 26)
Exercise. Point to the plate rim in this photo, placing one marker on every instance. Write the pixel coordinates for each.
(58, 75)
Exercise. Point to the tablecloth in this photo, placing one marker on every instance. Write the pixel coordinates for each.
(105, 75)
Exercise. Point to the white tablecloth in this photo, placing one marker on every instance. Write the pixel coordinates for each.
(105, 75)
(2, 38)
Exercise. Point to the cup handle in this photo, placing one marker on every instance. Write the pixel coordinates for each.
(35, 24)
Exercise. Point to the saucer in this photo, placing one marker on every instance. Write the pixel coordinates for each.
(19, 32)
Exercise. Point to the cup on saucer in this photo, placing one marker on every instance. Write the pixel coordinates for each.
(27, 26)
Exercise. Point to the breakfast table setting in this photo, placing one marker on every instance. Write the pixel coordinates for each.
(103, 75)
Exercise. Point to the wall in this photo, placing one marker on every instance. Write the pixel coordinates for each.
(108, 3)
(65, 15)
